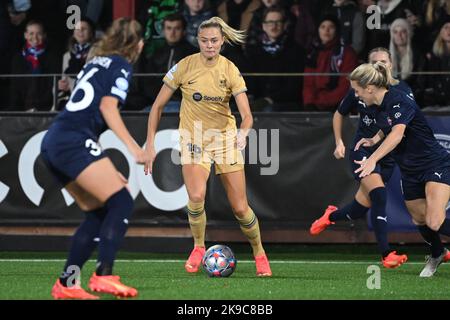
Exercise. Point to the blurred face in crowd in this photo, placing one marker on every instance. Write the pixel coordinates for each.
(445, 33)
(173, 31)
(270, 3)
(273, 25)
(34, 34)
(400, 36)
(210, 41)
(195, 6)
(83, 32)
(327, 31)
(380, 56)
(365, 94)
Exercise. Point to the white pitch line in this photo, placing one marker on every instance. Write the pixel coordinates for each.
(239, 261)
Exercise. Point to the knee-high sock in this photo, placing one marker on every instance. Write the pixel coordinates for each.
(445, 228)
(119, 209)
(432, 239)
(250, 227)
(84, 242)
(378, 218)
(197, 222)
(352, 211)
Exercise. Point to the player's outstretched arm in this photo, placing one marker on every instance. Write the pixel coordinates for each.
(247, 119)
(338, 120)
(110, 112)
(154, 118)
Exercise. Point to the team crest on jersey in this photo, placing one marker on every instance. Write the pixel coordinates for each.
(444, 140)
(389, 120)
(368, 122)
(223, 83)
(397, 115)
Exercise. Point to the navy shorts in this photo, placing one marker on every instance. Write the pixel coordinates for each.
(413, 186)
(66, 156)
(385, 167)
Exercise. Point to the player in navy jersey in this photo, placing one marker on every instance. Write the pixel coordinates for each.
(424, 163)
(371, 192)
(71, 151)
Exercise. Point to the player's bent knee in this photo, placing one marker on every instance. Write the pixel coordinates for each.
(434, 221)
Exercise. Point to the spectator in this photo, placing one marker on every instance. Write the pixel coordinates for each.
(12, 21)
(274, 53)
(195, 12)
(33, 93)
(238, 13)
(329, 55)
(406, 58)
(304, 27)
(52, 14)
(437, 90)
(152, 18)
(435, 12)
(176, 47)
(255, 30)
(352, 23)
(74, 59)
(390, 10)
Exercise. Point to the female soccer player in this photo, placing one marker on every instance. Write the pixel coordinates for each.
(208, 134)
(424, 163)
(372, 191)
(72, 153)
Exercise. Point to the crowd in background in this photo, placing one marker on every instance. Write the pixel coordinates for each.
(284, 36)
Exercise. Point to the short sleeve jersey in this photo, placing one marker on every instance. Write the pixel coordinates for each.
(102, 76)
(206, 91)
(419, 150)
(371, 121)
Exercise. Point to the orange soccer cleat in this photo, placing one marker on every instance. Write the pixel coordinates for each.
(112, 285)
(323, 222)
(73, 292)
(263, 266)
(195, 259)
(393, 260)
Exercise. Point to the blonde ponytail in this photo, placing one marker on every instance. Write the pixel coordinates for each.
(377, 74)
(231, 35)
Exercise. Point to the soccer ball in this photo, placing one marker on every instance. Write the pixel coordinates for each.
(219, 261)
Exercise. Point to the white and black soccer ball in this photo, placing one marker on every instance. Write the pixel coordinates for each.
(219, 261)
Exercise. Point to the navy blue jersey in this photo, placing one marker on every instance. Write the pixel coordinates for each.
(371, 121)
(419, 151)
(71, 143)
(102, 76)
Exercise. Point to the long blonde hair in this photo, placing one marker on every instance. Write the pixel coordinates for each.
(377, 74)
(402, 65)
(433, 7)
(440, 47)
(122, 38)
(231, 35)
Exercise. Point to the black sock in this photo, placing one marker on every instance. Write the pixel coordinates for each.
(433, 239)
(119, 209)
(378, 217)
(84, 242)
(445, 228)
(352, 211)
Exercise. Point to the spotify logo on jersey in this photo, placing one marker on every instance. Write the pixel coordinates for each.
(197, 97)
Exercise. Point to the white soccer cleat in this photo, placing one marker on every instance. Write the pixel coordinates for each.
(433, 263)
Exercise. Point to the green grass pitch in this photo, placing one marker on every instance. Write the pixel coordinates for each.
(299, 272)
